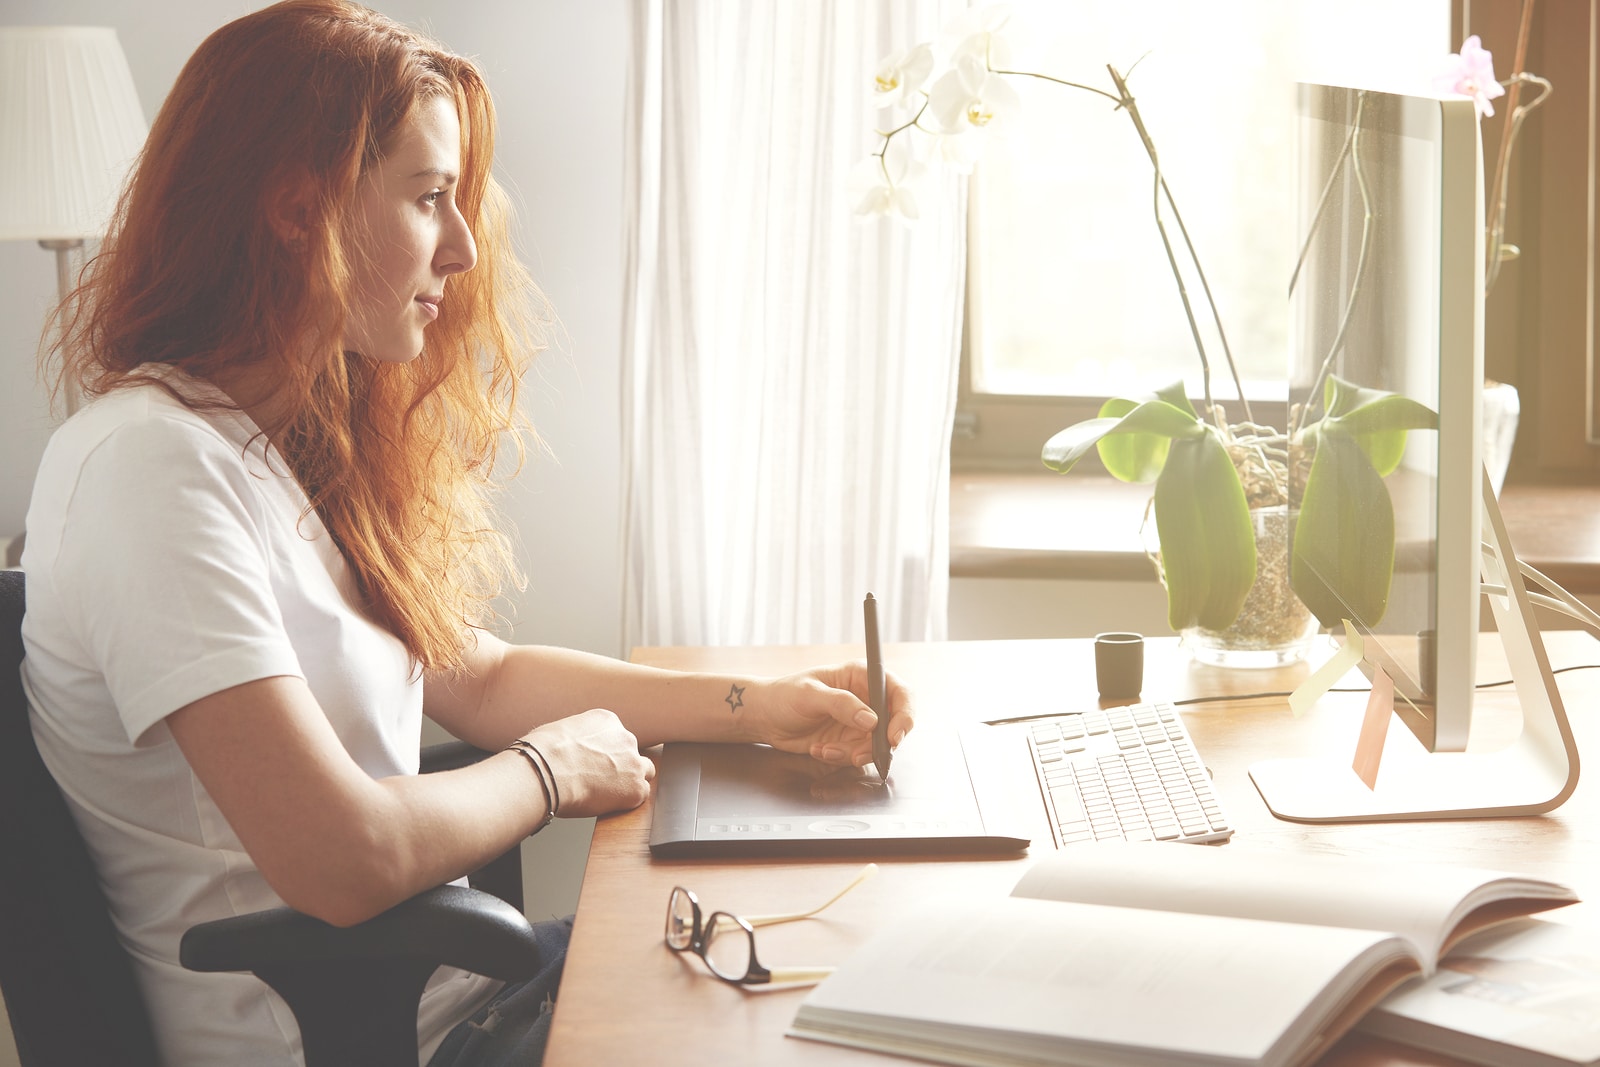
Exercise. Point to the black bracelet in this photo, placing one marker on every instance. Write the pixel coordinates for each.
(544, 787)
(554, 787)
(549, 774)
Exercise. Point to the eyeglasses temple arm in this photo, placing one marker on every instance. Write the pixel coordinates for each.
(787, 975)
(768, 920)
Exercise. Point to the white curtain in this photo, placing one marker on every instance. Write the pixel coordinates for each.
(789, 368)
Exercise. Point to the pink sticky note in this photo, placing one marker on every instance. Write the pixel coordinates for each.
(1374, 728)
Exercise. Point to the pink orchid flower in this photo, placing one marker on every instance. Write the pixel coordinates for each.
(1471, 73)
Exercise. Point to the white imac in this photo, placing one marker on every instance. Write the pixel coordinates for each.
(1389, 295)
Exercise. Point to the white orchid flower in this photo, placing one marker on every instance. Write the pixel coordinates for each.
(969, 98)
(873, 192)
(901, 77)
(976, 32)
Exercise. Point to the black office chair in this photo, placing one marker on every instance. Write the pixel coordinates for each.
(69, 986)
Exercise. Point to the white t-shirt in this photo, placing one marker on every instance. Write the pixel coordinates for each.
(167, 559)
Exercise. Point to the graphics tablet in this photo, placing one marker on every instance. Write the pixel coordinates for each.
(943, 795)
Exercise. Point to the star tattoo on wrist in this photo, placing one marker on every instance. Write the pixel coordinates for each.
(735, 699)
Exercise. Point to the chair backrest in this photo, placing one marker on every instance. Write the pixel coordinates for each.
(68, 983)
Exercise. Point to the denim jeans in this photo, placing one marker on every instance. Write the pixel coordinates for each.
(513, 1027)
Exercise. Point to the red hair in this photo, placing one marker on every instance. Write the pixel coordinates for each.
(229, 254)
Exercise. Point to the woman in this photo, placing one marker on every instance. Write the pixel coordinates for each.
(266, 550)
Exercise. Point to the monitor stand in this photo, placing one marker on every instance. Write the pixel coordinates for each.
(1534, 774)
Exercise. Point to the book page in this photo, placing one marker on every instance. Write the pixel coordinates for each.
(1013, 977)
(1422, 903)
(1513, 995)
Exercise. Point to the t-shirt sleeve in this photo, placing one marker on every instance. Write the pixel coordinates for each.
(165, 570)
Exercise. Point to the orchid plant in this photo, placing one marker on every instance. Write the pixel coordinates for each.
(1208, 472)
(1470, 72)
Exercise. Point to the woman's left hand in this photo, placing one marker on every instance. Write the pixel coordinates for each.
(823, 712)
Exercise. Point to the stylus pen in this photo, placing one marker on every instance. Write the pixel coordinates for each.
(875, 689)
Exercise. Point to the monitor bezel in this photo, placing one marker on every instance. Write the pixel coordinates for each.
(1438, 708)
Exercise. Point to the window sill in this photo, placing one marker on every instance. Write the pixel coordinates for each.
(1009, 524)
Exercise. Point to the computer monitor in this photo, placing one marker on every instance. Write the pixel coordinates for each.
(1388, 295)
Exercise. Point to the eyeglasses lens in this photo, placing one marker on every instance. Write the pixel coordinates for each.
(680, 920)
(729, 948)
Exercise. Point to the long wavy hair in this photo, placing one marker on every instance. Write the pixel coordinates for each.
(287, 108)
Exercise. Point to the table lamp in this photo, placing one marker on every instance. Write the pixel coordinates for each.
(70, 125)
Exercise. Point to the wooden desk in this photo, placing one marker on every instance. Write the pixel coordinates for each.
(625, 998)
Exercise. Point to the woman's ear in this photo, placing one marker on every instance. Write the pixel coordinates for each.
(291, 208)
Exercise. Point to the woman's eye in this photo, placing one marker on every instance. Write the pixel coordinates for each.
(433, 197)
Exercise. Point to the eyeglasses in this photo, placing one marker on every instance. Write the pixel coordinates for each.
(727, 943)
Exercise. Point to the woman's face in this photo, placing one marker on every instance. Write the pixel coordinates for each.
(409, 236)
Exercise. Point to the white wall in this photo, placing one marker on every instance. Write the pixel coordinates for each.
(558, 70)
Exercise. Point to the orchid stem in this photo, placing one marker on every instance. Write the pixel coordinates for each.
(1502, 163)
(1060, 81)
(1502, 179)
(1322, 205)
(1126, 101)
(1361, 262)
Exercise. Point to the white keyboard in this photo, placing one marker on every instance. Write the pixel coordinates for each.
(1127, 773)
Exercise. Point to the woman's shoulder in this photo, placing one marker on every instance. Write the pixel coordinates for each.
(141, 451)
(145, 420)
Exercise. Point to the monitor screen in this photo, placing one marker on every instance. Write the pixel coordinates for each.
(1387, 297)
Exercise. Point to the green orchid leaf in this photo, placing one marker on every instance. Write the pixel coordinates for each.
(1340, 397)
(1130, 457)
(1208, 548)
(1343, 553)
(1062, 452)
(1380, 426)
(1176, 395)
(1136, 451)
(1132, 441)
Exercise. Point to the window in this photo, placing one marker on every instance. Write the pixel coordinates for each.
(1540, 316)
(1071, 297)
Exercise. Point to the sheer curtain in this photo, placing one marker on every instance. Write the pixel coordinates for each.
(789, 369)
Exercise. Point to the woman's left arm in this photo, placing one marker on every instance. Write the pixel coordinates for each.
(505, 690)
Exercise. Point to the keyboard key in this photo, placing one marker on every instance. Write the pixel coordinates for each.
(1068, 807)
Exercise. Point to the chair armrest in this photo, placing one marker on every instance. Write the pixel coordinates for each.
(450, 925)
(355, 990)
(450, 755)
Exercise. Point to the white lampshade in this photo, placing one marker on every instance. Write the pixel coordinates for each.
(70, 124)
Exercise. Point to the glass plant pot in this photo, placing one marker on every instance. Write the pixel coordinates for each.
(1273, 628)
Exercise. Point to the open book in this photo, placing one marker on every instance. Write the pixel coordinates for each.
(1167, 953)
(1526, 994)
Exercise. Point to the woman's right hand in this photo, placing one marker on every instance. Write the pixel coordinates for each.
(596, 763)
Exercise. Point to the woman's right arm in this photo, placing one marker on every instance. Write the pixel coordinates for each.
(342, 846)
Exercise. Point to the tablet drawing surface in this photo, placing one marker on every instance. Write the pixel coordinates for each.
(718, 799)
